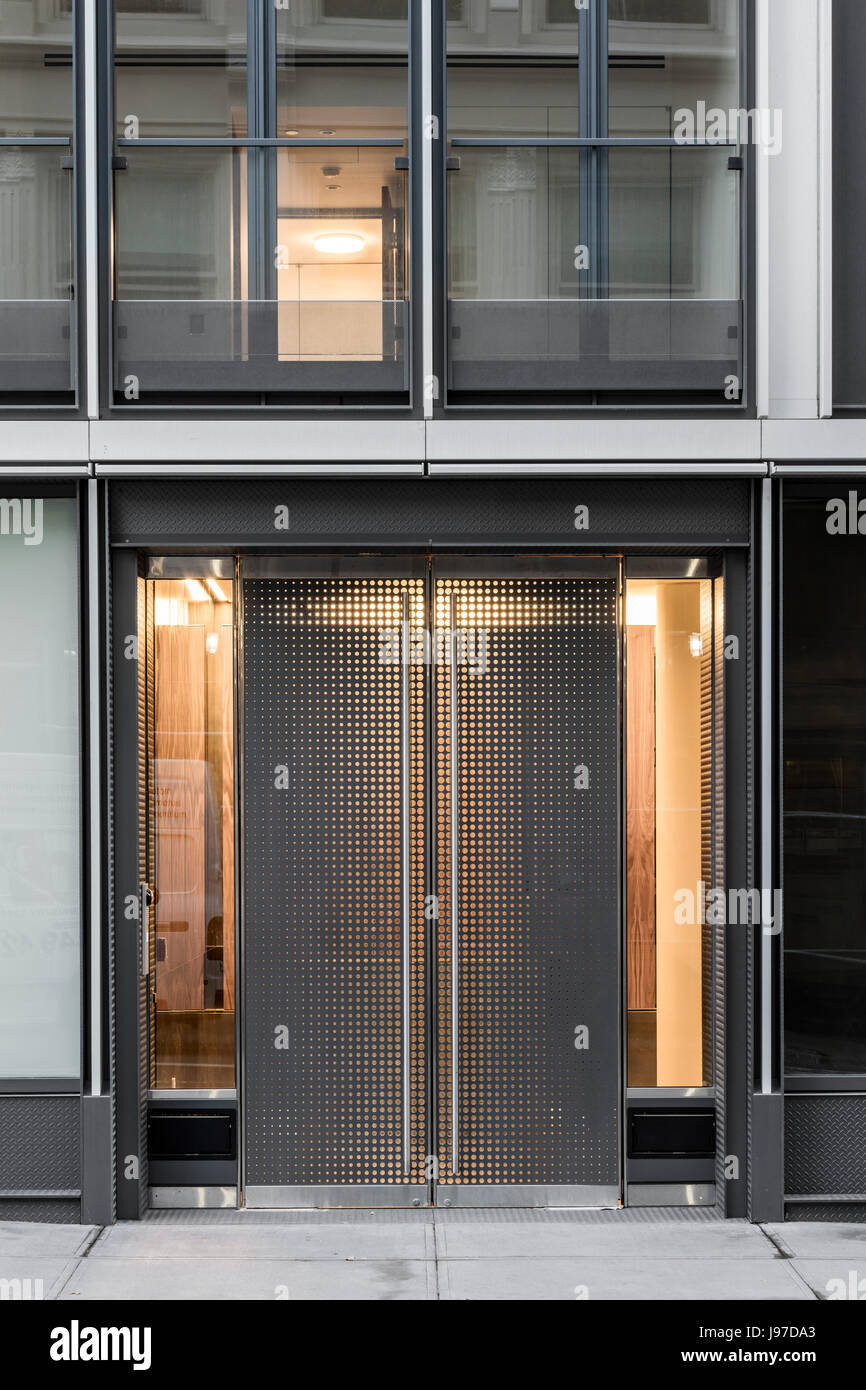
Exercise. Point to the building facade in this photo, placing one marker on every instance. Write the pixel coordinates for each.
(433, 773)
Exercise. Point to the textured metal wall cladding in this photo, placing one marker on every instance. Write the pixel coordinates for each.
(40, 1143)
(853, 1213)
(416, 511)
(825, 1146)
(57, 1212)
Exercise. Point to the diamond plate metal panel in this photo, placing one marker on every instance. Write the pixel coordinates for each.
(40, 1144)
(323, 933)
(825, 1145)
(463, 511)
(532, 855)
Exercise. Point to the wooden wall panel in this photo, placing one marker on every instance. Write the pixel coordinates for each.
(641, 818)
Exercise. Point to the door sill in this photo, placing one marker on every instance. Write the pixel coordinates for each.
(526, 1195)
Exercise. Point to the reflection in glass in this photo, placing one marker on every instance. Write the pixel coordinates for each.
(824, 752)
(192, 810)
(342, 69)
(674, 224)
(669, 645)
(514, 71)
(35, 69)
(666, 55)
(40, 812)
(181, 68)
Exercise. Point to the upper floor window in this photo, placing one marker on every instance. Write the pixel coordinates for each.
(37, 322)
(260, 202)
(593, 203)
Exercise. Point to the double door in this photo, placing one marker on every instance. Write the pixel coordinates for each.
(430, 894)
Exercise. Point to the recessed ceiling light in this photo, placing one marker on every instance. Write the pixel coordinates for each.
(291, 132)
(332, 187)
(338, 243)
(327, 132)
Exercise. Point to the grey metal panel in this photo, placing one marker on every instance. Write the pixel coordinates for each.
(40, 1144)
(849, 204)
(444, 511)
(530, 956)
(825, 1145)
(593, 345)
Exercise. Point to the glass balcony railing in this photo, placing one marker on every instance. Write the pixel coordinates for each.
(251, 269)
(594, 269)
(36, 299)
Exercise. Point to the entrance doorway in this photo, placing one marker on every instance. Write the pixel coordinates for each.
(430, 954)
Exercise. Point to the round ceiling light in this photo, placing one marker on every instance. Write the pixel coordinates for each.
(338, 243)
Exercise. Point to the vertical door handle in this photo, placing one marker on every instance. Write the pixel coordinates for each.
(455, 836)
(405, 871)
(145, 902)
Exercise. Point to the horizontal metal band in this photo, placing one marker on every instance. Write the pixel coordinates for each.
(200, 1094)
(542, 566)
(582, 469)
(330, 1195)
(525, 1195)
(322, 566)
(31, 1193)
(161, 1198)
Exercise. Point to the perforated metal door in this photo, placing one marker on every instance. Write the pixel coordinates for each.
(333, 939)
(372, 846)
(526, 843)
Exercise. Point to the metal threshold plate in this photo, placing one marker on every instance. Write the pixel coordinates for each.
(526, 1195)
(187, 1198)
(333, 1195)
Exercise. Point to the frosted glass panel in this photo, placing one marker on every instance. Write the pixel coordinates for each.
(40, 924)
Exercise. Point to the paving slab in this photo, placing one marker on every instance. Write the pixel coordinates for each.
(40, 1238)
(313, 1240)
(619, 1278)
(464, 1238)
(841, 1278)
(821, 1239)
(33, 1277)
(160, 1280)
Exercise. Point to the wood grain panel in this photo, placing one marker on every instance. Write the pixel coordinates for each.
(641, 818)
(181, 787)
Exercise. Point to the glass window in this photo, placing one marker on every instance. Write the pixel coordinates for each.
(669, 660)
(181, 69)
(37, 322)
(40, 808)
(242, 265)
(824, 752)
(192, 807)
(578, 261)
(513, 72)
(667, 55)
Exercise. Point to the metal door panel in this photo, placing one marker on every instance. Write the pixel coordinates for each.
(527, 878)
(334, 1023)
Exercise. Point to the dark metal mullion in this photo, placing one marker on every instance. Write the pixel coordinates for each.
(601, 182)
(587, 129)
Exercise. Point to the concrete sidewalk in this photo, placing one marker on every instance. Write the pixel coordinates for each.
(408, 1255)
